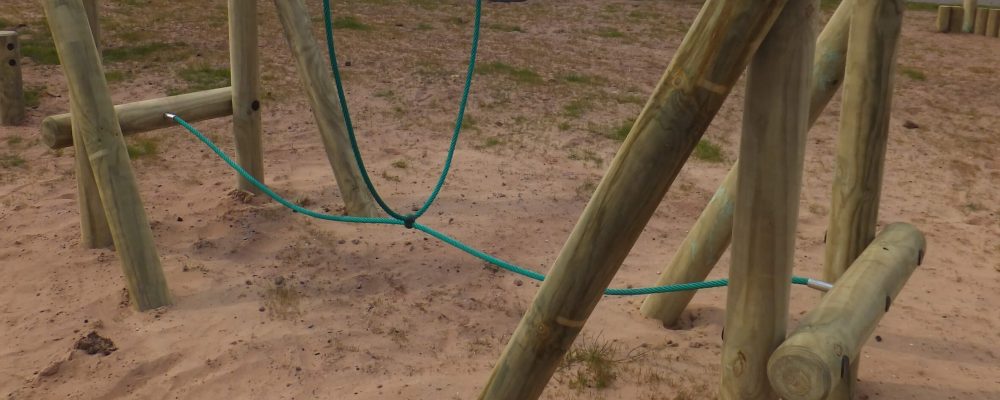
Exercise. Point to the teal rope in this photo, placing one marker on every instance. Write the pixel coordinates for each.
(334, 65)
(439, 235)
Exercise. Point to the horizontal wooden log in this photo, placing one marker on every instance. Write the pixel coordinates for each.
(812, 360)
(147, 115)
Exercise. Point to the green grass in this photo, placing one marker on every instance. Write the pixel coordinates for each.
(11, 161)
(117, 76)
(401, 164)
(708, 151)
(423, 26)
(470, 122)
(40, 48)
(350, 22)
(142, 147)
(505, 27)
(610, 33)
(576, 108)
(491, 141)
(385, 93)
(564, 126)
(14, 140)
(918, 6)
(33, 96)
(621, 131)
(595, 363)
(133, 53)
(582, 79)
(913, 73)
(5, 23)
(522, 75)
(586, 156)
(201, 78)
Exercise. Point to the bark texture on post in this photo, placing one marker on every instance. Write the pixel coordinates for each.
(775, 121)
(244, 65)
(315, 73)
(11, 83)
(705, 67)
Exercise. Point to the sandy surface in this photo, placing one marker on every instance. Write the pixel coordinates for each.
(271, 305)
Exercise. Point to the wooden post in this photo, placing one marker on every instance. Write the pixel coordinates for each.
(322, 92)
(861, 143)
(956, 18)
(244, 66)
(11, 85)
(981, 16)
(814, 359)
(711, 234)
(943, 19)
(94, 18)
(705, 67)
(993, 23)
(100, 136)
(969, 15)
(147, 115)
(772, 148)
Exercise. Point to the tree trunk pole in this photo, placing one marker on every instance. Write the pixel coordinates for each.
(711, 234)
(775, 121)
(982, 14)
(814, 359)
(861, 144)
(244, 65)
(969, 8)
(705, 67)
(11, 83)
(322, 92)
(100, 135)
(94, 19)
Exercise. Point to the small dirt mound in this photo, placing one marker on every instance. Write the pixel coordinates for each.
(95, 344)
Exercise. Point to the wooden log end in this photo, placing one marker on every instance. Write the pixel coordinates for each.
(799, 373)
(51, 136)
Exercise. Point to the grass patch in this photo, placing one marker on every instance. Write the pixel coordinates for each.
(913, 73)
(385, 93)
(33, 96)
(116, 76)
(11, 161)
(14, 140)
(38, 46)
(491, 141)
(621, 131)
(582, 79)
(350, 22)
(391, 178)
(708, 151)
(610, 33)
(586, 189)
(401, 164)
(201, 78)
(505, 28)
(133, 53)
(423, 26)
(918, 6)
(522, 75)
(595, 364)
(586, 156)
(470, 122)
(576, 108)
(141, 148)
(564, 126)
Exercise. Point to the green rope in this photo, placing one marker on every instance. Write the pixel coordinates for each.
(438, 235)
(334, 65)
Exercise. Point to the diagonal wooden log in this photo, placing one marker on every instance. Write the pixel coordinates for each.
(710, 236)
(704, 69)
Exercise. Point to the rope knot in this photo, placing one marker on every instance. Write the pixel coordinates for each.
(409, 220)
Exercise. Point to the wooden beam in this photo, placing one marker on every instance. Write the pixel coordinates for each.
(993, 22)
(101, 137)
(814, 359)
(245, 69)
(147, 115)
(943, 22)
(956, 18)
(95, 233)
(704, 69)
(969, 8)
(94, 19)
(11, 83)
(772, 149)
(709, 238)
(317, 80)
(861, 143)
(981, 16)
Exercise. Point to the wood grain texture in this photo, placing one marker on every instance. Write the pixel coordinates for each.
(956, 19)
(705, 67)
(993, 22)
(94, 19)
(105, 148)
(11, 82)
(95, 232)
(772, 150)
(244, 65)
(982, 14)
(710, 236)
(809, 364)
(314, 70)
(147, 115)
(943, 22)
(969, 8)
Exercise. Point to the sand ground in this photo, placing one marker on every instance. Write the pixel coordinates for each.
(271, 305)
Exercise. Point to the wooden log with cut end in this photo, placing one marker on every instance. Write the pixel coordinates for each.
(147, 115)
(957, 15)
(993, 23)
(101, 136)
(815, 357)
(314, 71)
(245, 69)
(775, 121)
(943, 19)
(709, 238)
(704, 69)
(11, 83)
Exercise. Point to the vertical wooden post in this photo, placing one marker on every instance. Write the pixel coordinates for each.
(981, 16)
(861, 143)
(969, 8)
(11, 84)
(101, 137)
(993, 23)
(711, 234)
(956, 18)
(316, 77)
(772, 148)
(943, 19)
(94, 18)
(811, 361)
(705, 67)
(244, 65)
